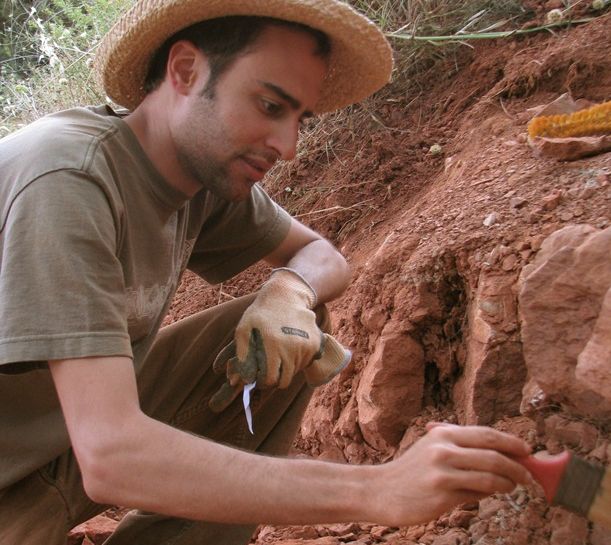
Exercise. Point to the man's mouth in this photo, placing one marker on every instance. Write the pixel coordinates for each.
(256, 167)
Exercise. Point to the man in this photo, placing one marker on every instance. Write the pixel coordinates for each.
(101, 215)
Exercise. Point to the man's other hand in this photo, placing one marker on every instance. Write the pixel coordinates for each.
(279, 335)
(450, 465)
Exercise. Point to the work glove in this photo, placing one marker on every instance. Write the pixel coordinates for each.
(279, 335)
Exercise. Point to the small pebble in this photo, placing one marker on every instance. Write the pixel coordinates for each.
(551, 201)
(509, 262)
(554, 16)
(490, 219)
(435, 149)
(517, 202)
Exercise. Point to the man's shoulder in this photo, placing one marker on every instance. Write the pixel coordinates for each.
(82, 139)
(60, 138)
(76, 141)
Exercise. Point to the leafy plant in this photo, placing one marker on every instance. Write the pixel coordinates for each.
(46, 49)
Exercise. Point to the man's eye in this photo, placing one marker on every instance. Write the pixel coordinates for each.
(271, 108)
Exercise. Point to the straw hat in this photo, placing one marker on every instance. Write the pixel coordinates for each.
(360, 61)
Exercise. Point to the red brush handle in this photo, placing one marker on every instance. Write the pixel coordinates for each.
(547, 471)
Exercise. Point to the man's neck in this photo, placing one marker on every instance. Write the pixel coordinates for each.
(154, 136)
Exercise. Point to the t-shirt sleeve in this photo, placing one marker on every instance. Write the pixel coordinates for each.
(61, 284)
(237, 235)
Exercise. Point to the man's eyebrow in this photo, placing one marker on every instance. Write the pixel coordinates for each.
(295, 104)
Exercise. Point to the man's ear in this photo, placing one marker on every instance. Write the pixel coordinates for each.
(186, 66)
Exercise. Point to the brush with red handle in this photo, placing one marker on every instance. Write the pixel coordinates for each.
(573, 483)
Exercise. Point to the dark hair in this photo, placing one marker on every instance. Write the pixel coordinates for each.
(222, 40)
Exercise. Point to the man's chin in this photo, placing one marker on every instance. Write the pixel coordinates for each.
(243, 188)
(234, 190)
(237, 191)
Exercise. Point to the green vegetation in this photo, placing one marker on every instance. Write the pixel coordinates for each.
(46, 48)
(414, 57)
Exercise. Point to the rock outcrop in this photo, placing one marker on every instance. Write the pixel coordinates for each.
(565, 309)
(494, 364)
(391, 388)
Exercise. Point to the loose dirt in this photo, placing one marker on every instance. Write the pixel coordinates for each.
(419, 229)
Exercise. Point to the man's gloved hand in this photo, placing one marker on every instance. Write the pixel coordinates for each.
(278, 336)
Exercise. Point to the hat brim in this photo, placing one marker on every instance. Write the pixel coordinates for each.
(360, 62)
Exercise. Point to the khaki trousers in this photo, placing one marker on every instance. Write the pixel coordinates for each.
(174, 385)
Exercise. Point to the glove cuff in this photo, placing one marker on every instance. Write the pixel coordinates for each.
(297, 283)
(333, 361)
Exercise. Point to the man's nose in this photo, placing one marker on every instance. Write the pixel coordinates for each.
(283, 139)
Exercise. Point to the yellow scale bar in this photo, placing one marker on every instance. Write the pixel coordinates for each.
(590, 122)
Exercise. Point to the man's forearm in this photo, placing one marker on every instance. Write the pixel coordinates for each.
(158, 468)
(323, 267)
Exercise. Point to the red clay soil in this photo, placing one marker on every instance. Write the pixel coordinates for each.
(411, 224)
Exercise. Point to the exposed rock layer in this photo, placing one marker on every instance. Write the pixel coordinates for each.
(565, 309)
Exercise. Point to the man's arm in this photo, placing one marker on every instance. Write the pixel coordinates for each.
(129, 459)
(315, 259)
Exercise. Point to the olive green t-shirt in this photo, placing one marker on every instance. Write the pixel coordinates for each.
(93, 242)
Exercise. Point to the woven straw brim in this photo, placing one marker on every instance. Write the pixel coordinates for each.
(360, 61)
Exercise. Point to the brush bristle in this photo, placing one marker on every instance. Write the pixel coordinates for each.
(579, 485)
(601, 506)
